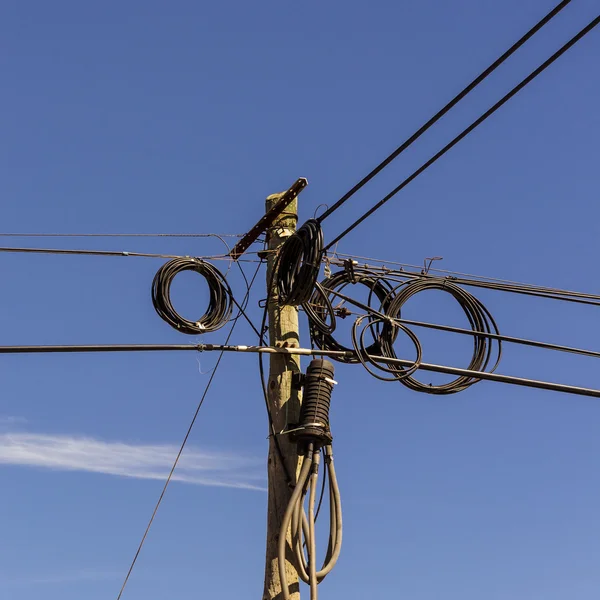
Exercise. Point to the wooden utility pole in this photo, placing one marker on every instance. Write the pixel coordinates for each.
(284, 402)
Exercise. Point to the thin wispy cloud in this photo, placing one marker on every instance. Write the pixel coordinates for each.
(140, 461)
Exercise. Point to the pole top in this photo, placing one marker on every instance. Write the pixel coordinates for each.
(267, 220)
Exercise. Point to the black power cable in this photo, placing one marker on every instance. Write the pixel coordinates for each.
(415, 136)
(220, 295)
(385, 328)
(480, 320)
(470, 128)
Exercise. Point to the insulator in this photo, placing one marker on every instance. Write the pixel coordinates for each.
(316, 399)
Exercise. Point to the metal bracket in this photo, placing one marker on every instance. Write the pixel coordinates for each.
(265, 222)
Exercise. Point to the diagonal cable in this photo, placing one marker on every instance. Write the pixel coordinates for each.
(415, 136)
(470, 128)
(185, 439)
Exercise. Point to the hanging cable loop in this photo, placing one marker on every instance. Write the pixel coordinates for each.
(220, 296)
(479, 317)
(313, 436)
(299, 264)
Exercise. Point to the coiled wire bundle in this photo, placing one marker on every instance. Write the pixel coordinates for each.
(299, 263)
(480, 320)
(219, 307)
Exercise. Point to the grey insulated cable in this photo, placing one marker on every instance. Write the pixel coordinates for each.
(313, 436)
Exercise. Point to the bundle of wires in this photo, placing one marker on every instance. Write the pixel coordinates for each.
(220, 296)
(313, 435)
(303, 525)
(480, 320)
(299, 263)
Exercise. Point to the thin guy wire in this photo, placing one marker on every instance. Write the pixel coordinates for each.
(470, 87)
(470, 128)
(185, 439)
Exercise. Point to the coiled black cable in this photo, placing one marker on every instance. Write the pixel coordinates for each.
(479, 317)
(321, 304)
(220, 296)
(299, 264)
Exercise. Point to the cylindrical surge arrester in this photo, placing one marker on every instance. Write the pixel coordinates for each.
(314, 414)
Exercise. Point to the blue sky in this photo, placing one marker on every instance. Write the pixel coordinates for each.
(182, 117)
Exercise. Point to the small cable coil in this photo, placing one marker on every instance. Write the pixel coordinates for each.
(219, 307)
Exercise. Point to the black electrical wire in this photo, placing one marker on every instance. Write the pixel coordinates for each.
(88, 252)
(454, 275)
(297, 272)
(486, 336)
(219, 309)
(131, 235)
(113, 253)
(495, 285)
(480, 320)
(415, 136)
(289, 480)
(469, 129)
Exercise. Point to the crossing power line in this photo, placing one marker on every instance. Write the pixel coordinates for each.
(488, 113)
(462, 94)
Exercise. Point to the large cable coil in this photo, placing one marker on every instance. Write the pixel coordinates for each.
(486, 351)
(219, 307)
